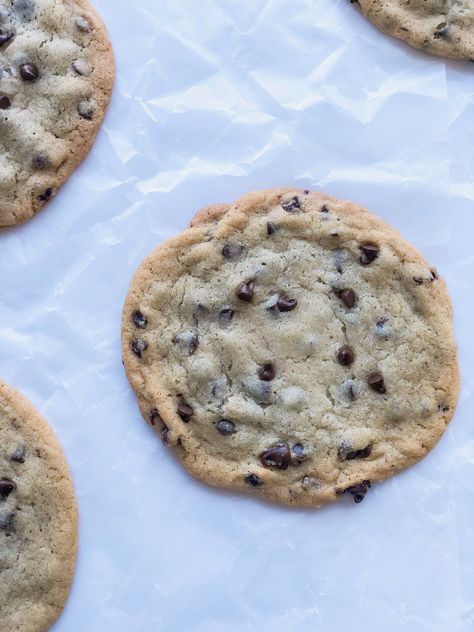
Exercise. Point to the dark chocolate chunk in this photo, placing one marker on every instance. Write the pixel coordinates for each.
(225, 316)
(184, 410)
(292, 206)
(18, 454)
(266, 372)
(285, 304)
(441, 31)
(40, 161)
(347, 296)
(6, 487)
(246, 291)
(226, 427)
(139, 346)
(376, 382)
(358, 491)
(7, 522)
(5, 103)
(271, 228)
(5, 38)
(370, 252)
(232, 251)
(279, 457)
(253, 479)
(139, 320)
(345, 356)
(29, 72)
(46, 195)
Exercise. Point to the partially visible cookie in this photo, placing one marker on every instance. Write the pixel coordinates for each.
(38, 519)
(293, 346)
(440, 27)
(56, 78)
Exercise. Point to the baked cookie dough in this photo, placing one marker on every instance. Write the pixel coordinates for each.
(56, 78)
(293, 346)
(440, 27)
(38, 519)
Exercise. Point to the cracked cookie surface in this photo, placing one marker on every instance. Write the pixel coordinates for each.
(440, 27)
(38, 519)
(293, 346)
(56, 78)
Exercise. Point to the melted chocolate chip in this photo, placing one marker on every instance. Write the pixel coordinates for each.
(19, 455)
(139, 346)
(347, 296)
(46, 195)
(370, 252)
(376, 382)
(271, 228)
(7, 522)
(29, 72)
(253, 479)
(345, 356)
(5, 38)
(139, 320)
(266, 372)
(225, 316)
(5, 103)
(40, 161)
(6, 488)
(285, 304)
(184, 410)
(358, 491)
(279, 457)
(292, 206)
(246, 291)
(232, 251)
(226, 427)
(85, 110)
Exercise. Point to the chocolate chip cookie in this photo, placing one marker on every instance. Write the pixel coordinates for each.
(440, 27)
(56, 79)
(293, 346)
(38, 519)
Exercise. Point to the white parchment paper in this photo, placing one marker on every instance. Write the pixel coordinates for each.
(215, 98)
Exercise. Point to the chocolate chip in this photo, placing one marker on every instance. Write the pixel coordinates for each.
(46, 195)
(266, 372)
(345, 356)
(441, 30)
(306, 191)
(6, 487)
(292, 206)
(225, 316)
(272, 228)
(154, 416)
(350, 455)
(246, 291)
(18, 455)
(5, 38)
(139, 320)
(232, 251)
(5, 103)
(40, 161)
(279, 457)
(376, 382)
(347, 296)
(324, 209)
(285, 304)
(218, 388)
(226, 427)
(370, 252)
(29, 72)
(358, 491)
(184, 410)
(7, 522)
(139, 346)
(300, 452)
(85, 110)
(253, 479)
(418, 280)
(164, 432)
(434, 275)
(443, 408)
(187, 340)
